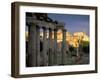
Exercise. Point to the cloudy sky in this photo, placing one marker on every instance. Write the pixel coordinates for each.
(73, 23)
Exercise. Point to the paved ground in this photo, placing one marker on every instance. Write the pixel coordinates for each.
(73, 59)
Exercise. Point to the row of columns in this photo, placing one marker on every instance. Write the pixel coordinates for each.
(37, 58)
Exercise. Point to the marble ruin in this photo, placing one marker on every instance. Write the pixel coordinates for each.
(44, 50)
(35, 22)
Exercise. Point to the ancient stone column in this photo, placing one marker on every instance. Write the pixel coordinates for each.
(78, 48)
(50, 54)
(64, 47)
(38, 45)
(55, 48)
(32, 45)
(44, 53)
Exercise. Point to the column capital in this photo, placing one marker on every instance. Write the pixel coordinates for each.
(55, 29)
(64, 30)
(50, 29)
(32, 24)
(44, 28)
(38, 26)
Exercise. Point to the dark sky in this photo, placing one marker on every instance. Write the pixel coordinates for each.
(73, 23)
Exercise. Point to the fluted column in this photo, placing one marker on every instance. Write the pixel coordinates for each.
(32, 45)
(55, 47)
(38, 45)
(50, 54)
(44, 53)
(64, 47)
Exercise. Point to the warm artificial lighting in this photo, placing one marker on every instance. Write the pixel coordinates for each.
(70, 39)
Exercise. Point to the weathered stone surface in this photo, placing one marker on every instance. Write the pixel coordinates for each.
(38, 46)
(50, 54)
(46, 24)
(32, 45)
(44, 53)
(64, 47)
(55, 47)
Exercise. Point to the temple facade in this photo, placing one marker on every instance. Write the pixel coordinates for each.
(48, 55)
